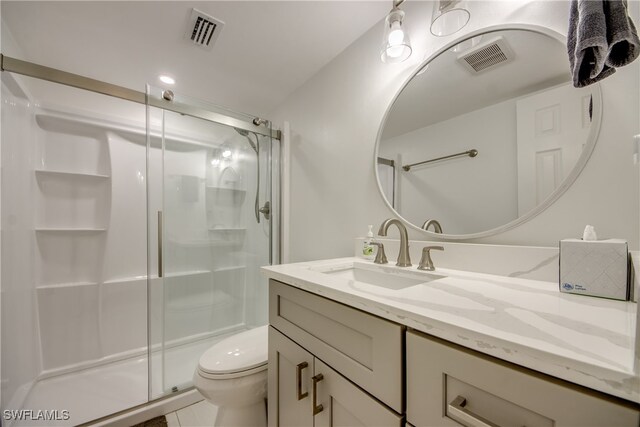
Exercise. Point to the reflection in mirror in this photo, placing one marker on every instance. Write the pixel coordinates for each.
(487, 133)
(387, 179)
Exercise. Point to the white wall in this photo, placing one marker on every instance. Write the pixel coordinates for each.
(455, 191)
(20, 355)
(335, 116)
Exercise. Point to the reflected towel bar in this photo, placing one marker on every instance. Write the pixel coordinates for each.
(470, 153)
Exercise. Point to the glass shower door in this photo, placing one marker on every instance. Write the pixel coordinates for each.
(210, 231)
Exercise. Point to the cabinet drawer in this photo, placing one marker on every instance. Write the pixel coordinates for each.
(364, 348)
(451, 386)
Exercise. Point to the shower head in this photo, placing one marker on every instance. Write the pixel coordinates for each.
(245, 133)
(256, 148)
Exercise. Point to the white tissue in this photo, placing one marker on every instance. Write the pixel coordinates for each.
(589, 233)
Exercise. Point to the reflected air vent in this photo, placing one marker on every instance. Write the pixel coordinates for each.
(486, 55)
(203, 30)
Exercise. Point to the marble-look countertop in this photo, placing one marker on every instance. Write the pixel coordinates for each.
(584, 340)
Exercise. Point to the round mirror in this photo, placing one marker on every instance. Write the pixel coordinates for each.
(487, 134)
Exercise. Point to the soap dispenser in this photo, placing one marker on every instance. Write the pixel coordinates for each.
(367, 247)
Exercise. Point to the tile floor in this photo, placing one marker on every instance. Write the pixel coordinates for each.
(201, 414)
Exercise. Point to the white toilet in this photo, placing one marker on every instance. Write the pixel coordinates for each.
(232, 375)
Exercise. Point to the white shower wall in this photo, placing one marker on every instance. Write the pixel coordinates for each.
(90, 239)
(21, 365)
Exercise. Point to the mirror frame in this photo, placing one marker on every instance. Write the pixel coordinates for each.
(589, 146)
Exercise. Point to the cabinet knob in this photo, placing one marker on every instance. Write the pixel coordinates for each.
(316, 408)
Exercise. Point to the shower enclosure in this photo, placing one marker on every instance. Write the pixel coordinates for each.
(130, 241)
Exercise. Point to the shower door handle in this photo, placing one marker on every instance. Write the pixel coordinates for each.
(160, 266)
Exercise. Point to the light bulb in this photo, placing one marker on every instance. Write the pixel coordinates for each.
(396, 36)
(226, 153)
(396, 46)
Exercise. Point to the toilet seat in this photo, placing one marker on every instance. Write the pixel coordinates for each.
(239, 355)
(229, 375)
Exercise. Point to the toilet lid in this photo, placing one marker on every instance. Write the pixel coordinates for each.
(240, 352)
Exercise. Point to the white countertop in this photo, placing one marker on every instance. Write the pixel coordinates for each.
(584, 340)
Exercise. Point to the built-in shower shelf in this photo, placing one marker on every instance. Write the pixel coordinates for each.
(230, 268)
(187, 273)
(68, 174)
(196, 302)
(226, 189)
(66, 285)
(70, 229)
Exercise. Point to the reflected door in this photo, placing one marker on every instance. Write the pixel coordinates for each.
(552, 126)
(210, 216)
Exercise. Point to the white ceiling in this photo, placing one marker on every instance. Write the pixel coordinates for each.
(265, 51)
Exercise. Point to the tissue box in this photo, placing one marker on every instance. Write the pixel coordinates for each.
(599, 268)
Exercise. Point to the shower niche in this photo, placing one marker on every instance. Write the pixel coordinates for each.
(225, 196)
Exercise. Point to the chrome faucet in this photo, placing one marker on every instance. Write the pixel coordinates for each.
(437, 228)
(426, 263)
(403, 255)
(381, 257)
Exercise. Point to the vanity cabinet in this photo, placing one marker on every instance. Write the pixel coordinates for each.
(448, 385)
(365, 370)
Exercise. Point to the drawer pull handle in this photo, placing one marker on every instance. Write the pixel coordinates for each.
(457, 411)
(316, 408)
(299, 368)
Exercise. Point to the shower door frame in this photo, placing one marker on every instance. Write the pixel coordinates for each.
(74, 80)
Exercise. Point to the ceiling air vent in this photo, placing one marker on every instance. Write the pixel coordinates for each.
(486, 55)
(203, 30)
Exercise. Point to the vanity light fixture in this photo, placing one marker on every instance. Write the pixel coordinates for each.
(396, 46)
(449, 16)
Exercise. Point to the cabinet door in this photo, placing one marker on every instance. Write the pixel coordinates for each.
(289, 382)
(340, 403)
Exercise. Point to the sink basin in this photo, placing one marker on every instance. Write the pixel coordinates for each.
(385, 277)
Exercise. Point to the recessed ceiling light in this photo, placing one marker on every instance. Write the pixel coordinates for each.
(167, 79)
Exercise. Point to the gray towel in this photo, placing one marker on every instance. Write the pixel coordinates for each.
(622, 37)
(587, 42)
